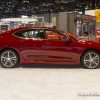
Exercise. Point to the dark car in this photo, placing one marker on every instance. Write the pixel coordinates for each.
(43, 45)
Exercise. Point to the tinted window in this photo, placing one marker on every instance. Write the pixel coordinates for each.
(53, 35)
(31, 33)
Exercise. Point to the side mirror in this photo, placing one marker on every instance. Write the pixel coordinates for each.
(69, 39)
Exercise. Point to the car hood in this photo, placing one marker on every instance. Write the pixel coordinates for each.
(89, 44)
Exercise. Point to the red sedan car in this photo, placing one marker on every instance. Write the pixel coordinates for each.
(44, 45)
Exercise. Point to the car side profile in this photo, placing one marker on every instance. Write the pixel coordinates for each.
(43, 45)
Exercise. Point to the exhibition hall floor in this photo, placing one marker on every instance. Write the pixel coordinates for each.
(49, 82)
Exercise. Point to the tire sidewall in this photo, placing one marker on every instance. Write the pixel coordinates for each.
(17, 58)
(83, 56)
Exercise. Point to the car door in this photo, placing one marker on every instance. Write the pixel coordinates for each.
(56, 48)
(30, 44)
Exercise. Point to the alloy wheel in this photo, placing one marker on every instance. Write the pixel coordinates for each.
(91, 60)
(9, 59)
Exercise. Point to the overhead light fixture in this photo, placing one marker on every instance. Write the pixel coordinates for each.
(23, 16)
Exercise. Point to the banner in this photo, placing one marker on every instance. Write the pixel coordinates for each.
(97, 14)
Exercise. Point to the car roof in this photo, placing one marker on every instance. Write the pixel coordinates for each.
(22, 28)
(33, 28)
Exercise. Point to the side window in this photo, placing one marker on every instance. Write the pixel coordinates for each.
(20, 34)
(31, 33)
(53, 35)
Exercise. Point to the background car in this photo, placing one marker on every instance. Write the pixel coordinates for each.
(43, 45)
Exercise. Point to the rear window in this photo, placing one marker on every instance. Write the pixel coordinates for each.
(30, 33)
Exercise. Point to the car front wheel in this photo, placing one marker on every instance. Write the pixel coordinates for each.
(9, 59)
(90, 60)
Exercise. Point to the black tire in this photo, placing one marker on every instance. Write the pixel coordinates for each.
(90, 59)
(9, 58)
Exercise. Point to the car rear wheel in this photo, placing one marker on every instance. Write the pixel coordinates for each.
(90, 60)
(9, 58)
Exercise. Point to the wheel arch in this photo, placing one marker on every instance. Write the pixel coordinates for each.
(91, 49)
